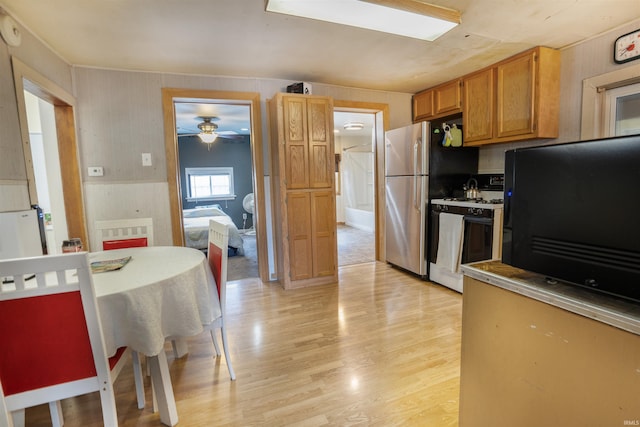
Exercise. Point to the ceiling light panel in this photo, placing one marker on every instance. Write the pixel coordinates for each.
(371, 15)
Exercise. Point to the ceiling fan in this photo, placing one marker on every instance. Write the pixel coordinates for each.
(208, 132)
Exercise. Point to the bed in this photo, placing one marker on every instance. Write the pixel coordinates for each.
(196, 228)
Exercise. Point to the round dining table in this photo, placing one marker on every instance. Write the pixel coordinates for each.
(160, 293)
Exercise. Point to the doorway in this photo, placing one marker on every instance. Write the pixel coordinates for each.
(216, 178)
(355, 199)
(46, 166)
(182, 183)
(368, 150)
(60, 124)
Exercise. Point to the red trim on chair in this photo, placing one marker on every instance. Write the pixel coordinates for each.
(215, 262)
(113, 360)
(54, 329)
(138, 242)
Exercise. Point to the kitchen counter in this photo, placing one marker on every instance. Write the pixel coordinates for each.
(617, 312)
(535, 353)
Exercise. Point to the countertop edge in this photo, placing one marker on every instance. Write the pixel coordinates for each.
(574, 304)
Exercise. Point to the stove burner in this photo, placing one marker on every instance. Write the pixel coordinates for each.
(478, 200)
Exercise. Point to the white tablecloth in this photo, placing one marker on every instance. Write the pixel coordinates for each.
(162, 292)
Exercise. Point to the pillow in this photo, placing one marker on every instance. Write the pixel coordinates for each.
(202, 212)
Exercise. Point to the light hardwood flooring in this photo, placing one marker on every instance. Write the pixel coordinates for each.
(380, 348)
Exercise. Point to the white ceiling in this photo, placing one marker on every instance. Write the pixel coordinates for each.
(238, 38)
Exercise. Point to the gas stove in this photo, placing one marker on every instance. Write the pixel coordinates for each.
(484, 204)
(478, 200)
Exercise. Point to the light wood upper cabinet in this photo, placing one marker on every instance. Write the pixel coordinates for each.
(478, 99)
(308, 141)
(296, 142)
(515, 95)
(423, 105)
(439, 101)
(321, 152)
(446, 98)
(520, 101)
(303, 189)
(515, 99)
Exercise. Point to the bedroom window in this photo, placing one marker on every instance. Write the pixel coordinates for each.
(209, 184)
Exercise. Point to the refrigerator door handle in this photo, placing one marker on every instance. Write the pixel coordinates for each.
(415, 174)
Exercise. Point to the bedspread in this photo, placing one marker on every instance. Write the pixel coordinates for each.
(196, 228)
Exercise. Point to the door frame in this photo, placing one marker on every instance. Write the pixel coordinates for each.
(172, 95)
(26, 78)
(382, 124)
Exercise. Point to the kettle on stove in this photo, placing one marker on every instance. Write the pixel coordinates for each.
(471, 189)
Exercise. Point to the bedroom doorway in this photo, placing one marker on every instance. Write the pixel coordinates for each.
(216, 175)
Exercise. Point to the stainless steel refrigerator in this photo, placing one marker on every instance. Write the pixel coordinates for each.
(418, 168)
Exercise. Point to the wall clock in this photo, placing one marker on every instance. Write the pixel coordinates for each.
(627, 47)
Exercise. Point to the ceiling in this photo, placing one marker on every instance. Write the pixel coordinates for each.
(238, 38)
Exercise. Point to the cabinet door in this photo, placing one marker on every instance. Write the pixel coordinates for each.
(447, 98)
(323, 228)
(477, 106)
(321, 152)
(422, 105)
(296, 142)
(515, 96)
(300, 235)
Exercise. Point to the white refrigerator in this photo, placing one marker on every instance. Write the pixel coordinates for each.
(20, 234)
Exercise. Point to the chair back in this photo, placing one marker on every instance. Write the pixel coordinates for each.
(53, 347)
(218, 255)
(124, 233)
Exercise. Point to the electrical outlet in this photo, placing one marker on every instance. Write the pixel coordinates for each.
(244, 216)
(146, 159)
(96, 171)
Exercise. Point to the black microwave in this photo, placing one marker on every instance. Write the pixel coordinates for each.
(572, 213)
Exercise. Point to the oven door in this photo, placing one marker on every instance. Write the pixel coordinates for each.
(478, 239)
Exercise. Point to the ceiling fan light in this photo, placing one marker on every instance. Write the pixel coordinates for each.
(208, 137)
(207, 127)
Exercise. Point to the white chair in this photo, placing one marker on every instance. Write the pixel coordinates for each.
(120, 234)
(124, 233)
(49, 320)
(217, 255)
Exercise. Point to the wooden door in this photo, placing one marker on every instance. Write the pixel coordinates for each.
(323, 229)
(320, 125)
(296, 142)
(477, 106)
(300, 235)
(515, 96)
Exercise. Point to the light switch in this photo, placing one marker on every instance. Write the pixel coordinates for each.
(146, 159)
(96, 171)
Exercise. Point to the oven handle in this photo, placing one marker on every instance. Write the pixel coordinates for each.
(478, 219)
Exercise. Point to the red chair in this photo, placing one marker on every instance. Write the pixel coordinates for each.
(217, 256)
(53, 347)
(124, 233)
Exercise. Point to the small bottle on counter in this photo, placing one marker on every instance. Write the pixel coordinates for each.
(72, 245)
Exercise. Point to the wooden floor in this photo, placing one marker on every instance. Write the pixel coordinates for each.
(379, 348)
